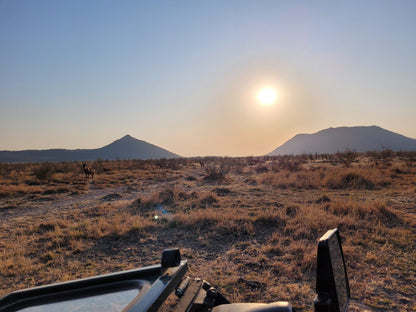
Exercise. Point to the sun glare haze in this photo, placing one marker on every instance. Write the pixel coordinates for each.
(267, 96)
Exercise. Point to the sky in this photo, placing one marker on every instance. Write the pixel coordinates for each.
(184, 75)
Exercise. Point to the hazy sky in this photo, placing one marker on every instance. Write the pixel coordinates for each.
(184, 75)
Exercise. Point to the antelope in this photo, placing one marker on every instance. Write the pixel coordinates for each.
(88, 171)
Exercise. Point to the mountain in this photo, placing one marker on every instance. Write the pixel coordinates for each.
(130, 148)
(125, 148)
(332, 140)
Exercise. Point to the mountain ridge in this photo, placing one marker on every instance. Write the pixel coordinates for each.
(336, 139)
(126, 147)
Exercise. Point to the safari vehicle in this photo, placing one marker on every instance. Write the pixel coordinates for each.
(146, 288)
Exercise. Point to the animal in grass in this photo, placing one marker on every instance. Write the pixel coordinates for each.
(89, 172)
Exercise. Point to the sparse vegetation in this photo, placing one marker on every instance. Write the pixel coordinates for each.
(43, 171)
(247, 225)
(347, 157)
(216, 173)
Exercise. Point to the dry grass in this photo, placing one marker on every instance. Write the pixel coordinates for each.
(247, 225)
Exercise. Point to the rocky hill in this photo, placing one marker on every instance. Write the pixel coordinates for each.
(332, 140)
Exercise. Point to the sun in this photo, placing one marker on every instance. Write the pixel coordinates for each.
(267, 96)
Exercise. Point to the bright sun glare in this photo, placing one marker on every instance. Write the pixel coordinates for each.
(267, 96)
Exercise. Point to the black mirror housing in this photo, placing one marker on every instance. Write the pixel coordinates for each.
(332, 286)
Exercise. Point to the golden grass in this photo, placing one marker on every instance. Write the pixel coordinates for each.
(250, 229)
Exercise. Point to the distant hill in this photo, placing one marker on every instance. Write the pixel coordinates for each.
(332, 140)
(125, 148)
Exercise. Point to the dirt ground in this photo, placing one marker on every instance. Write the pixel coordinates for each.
(249, 226)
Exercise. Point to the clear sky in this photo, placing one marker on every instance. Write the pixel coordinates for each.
(184, 75)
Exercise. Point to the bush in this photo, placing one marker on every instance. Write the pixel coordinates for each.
(292, 164)
(374, 212)
(382, 158)
(208, 200)
(167, 196)
(347, 157)
(355, 181)
(44, 172)
(350, 180)
(261, 169)
(214, 173)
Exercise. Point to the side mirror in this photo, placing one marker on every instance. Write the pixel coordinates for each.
(332, 287)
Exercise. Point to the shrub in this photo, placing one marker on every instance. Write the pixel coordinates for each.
(222, 191)
(208, 200)
(66, 167)
(167, 196)
(383, 158)
(44, 172)
(291, 164)
(350, 180)
(373, 212)
(261, 168)
(286, 179)
(347, 157)
(216, 173)
(357, 181)
(145, 205)
(292, 211)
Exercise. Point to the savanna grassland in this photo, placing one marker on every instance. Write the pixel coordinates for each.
(249, 226)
